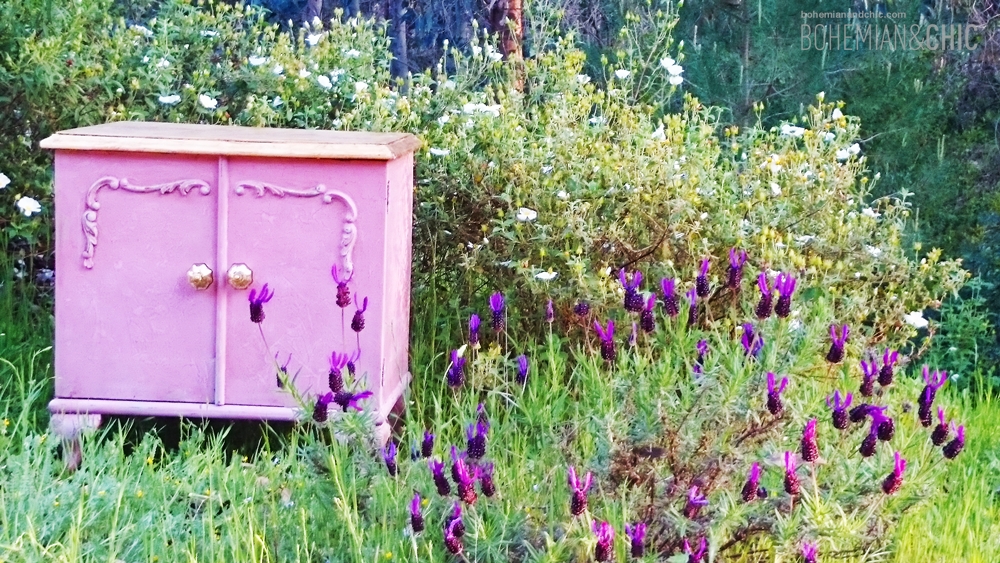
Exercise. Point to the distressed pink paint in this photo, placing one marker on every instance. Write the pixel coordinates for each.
(133, 337)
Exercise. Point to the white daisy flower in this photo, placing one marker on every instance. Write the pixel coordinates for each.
(352, 54)
(142, 30)
(313, 38)
(277, 102)
(278, 69)
(676, 80)
(4, 180)
(169, 100)
(324, 82)
(667, 62)
(843, 155)
(526, 215)
(303, 73)
(829, 136)
(869, 212)
(622, 74)
(675, 70)
(495, 56)
(561, 194)
(28, 206)
(207, 102)
(915, 319)
(582, 78)
(854, 149)
(546, 276)
(873, 250)
(256, 60)
(789, 130)
(444, 119)
(836, 114)
(775, 189)
(439, 152)
(162, 63)
(208, 33)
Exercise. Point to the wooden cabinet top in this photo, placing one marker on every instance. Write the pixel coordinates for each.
(231, 140)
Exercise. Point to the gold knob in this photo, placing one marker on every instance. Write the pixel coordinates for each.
(240, 276)
(200, 276)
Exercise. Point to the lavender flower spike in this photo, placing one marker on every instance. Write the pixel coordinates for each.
(808, 552)
(892, 483)
(389, 457)
(348, 400)
(668, 285)
(692, 296)
(752, 342)
(456, 373)
(358, 322)
(695, 556)
(737, 258)
(885, 373)
(607, 336)
(440, 481)
(466, 479)
(836, 353)
(791, 479)
(522, 369)
(646, 319)
(868, 445)
(785, 286)
(605, 540)
(474, 331)
(633, 300)
(699, 362)
(257, 303)
(751, 488)
(774, 404)
(810, 449)
(427, 446)
(486, 480)
(475, 435)
(416, 518)
(701, 282)
(336, 376)
(578, 502)
(957, 444)
(869, 371)
(883, 425)
(637, 538)
(940, 433)
(452, 542)
(343, 292)
(840, 416)
(456, 516)
(926, 400)
(550, 314)
(766, 303)
(498, 308)
(695, 501)
(321, 410)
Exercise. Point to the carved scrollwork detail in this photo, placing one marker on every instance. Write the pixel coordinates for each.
(349, 233)
(112, 183)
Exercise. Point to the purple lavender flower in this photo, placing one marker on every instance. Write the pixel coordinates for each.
(475, 435)
(578, 503)
(869, 444)
(550, 314)
(737, 258)
(474, 331)
(883, 426)
(358, 322)
(321, 410)
(416, 518)
(695, 500)
(701, 282)
(940, 433)
(699, 362)
(885, 374)
(605, 540)
(836, 353)
(498, 308)
(810, 449)
(751, 488)
(646, 319)
(869, 371)
(692, 296)
(637, 538)
(858, 413)
(607, 337)
(427, 446)
(785, 286)
(522, 369)
(926, 401)
(456, 516)
(581, 309)
(389, 456)
(766, 303)
(631, 283)
(465, 478)
(451, 541)
(791, 478)
(440, 481)
(481, 417)
(669, 296)
(892, 483)
(486, 480)
(336, 376)
(257, 303)
(343, 292)
(456, 373)
(957, 444)
(753, 343)
(774, 404)
(348, 400)
(840, 419)
(695, 556)
(282, 370)
(808, 552)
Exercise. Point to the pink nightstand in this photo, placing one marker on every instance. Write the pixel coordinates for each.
(145, 210)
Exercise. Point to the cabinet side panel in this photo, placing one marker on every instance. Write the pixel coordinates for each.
(398, 253)
(128, 323)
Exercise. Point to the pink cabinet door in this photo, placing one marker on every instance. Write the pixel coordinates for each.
(291, 222)
(129, 228)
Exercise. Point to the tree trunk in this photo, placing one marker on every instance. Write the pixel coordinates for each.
(400, 62)
(511, 28)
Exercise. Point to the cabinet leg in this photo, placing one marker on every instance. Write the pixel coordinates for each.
(69, 428)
